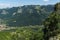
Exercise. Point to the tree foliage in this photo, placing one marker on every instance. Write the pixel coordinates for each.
(51, 23)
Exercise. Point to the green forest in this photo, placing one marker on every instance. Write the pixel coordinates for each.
(30, 22)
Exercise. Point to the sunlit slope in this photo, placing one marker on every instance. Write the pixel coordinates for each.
(5, 36)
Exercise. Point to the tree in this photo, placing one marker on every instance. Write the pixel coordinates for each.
(51, 23)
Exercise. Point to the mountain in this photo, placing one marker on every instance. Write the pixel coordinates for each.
(26, 15)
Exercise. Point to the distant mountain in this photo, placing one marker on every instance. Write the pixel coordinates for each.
(26, 15)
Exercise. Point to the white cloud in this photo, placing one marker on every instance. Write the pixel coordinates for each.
(45, 0)
(6, 5)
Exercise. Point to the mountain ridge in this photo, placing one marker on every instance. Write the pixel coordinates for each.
(26, 15)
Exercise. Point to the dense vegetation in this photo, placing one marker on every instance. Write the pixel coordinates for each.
(51, 27)
(23, 33)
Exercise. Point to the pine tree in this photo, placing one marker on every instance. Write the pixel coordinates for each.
(51, 23)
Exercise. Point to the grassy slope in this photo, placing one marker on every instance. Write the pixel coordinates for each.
(5, 35)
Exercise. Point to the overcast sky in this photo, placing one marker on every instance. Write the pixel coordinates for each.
(14, 3)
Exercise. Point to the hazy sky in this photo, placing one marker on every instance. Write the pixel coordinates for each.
(11, 3)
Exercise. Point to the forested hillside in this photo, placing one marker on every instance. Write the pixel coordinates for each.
(26, 15)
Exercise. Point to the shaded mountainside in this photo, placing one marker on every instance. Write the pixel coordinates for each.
(26, 15)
